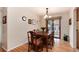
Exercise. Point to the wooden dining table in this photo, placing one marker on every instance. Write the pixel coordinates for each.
(45, 36)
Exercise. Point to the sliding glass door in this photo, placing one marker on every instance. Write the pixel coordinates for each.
(56, 28)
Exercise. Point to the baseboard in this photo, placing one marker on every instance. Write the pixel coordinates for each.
(4, 49)
(16, 46)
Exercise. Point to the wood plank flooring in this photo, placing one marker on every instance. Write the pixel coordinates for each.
(60, 47)
(2, 50)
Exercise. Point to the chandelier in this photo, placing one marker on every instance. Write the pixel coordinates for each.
(47, 16)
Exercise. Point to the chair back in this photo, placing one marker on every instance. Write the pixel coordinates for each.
(30, 36)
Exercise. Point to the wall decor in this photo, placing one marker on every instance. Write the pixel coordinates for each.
(4, 19)
(33, 21)
(24, 18)
(70, 21)
(29, 21)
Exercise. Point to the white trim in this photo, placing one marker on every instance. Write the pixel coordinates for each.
(4, 49)
(16, 46)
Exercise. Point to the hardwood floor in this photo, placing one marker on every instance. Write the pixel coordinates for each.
(2, 50)
(23, 48)
(60, 47)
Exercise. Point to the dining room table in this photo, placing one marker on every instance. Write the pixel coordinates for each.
(45, 36)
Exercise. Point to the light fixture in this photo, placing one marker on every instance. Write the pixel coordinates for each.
(47, 16)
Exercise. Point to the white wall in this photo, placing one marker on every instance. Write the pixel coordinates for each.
(72, 28)
(64, 22)
(0, 28)
(17, 28)
(4, 29)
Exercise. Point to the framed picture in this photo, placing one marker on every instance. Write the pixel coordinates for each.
(33, 21)
(4, 19)
(70, 21)
(29, 21)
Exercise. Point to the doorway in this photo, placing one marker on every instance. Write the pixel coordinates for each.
(77, 28)
(54, 25)
(0, 32)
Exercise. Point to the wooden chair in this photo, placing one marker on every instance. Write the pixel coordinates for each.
(51, 40)
(34, 42)
(29, 34)
(37, 43)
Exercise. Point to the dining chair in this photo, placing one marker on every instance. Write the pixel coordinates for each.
(29, 34)
(37, 43)
(48, 41)
(51, 40)
(34, 42)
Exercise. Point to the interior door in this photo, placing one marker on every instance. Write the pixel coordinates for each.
(77, 30)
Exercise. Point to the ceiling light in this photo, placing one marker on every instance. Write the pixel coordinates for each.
(47, 16)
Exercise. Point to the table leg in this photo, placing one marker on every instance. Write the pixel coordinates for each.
(47, 43)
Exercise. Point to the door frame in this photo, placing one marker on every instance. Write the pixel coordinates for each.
(54, 18)
(76, 28)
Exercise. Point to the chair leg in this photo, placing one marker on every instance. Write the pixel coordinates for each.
(47, 48)
(28, 48)
(42, 48)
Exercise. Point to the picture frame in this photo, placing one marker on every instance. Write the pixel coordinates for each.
(33, 21)
(70, 21)
(29, 21)
(4, 20)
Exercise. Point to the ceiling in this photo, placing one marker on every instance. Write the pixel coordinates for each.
(51, 10)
